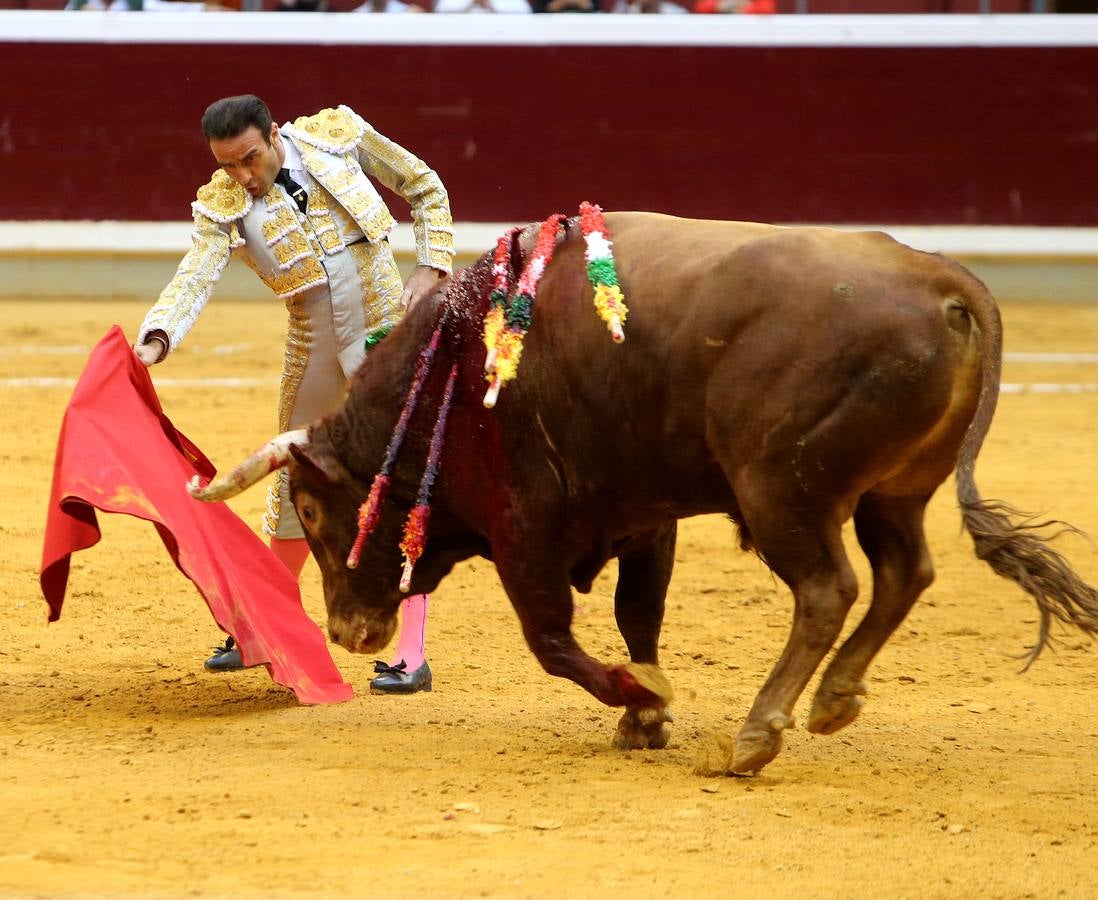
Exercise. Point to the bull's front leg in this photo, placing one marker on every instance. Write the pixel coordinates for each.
(636, 685)
(543, 600)
(644, 572)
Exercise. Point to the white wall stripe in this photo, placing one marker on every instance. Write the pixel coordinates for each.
(1055, 358)
(44, 350)
(923, 30)
(1047, 388)
(117, 238)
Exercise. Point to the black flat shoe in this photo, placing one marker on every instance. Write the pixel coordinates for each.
(395, 680)
(225, 659)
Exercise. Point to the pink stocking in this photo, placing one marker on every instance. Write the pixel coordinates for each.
(292, 553)
(413, 632)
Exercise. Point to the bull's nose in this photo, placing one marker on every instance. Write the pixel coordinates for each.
(333, 633)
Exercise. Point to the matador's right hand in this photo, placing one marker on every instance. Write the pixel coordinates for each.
(152, 351)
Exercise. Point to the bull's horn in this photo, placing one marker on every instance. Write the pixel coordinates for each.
(272, 455)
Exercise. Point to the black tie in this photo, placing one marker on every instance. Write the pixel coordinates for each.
(294, 189)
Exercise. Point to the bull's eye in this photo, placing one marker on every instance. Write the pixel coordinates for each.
(307, 514)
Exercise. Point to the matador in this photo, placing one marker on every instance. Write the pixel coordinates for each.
(296, 203)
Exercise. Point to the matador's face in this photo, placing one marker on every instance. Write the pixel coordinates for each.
(249, 159)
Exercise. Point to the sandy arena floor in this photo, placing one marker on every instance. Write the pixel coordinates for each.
(127, 770)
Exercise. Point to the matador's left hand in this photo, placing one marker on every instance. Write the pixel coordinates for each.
(423, 282)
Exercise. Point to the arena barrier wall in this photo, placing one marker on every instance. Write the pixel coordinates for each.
(136, 259)
(960, 121)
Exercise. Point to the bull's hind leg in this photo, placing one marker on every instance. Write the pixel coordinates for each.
(643, 576)
(803, 546)
(890, 530)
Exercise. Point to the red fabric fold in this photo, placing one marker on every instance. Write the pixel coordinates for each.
(119, 453)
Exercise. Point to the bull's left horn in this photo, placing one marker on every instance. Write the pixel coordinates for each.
(272, 455)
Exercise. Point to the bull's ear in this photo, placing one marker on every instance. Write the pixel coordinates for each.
(313, 466)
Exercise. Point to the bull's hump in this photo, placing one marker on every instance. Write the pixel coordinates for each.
(697, 229)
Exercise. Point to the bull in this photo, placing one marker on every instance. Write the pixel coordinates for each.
(789, 378)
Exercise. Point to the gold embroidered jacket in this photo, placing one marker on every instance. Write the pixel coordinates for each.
(339, 149)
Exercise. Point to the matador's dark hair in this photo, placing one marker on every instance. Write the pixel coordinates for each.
(232, 116)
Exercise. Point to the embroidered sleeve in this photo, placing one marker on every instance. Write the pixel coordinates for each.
(185, 296)
(405, 174)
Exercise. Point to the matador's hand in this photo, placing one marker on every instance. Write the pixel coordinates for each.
(423, 282)
(152, 351)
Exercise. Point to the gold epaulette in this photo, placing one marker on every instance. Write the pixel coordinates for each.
(332, 130)
(222, 199)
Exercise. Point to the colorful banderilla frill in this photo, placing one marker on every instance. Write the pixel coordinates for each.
(601, 271)
(510, 315)
(370, 511)
(507, 323)
(415, 528)
(495, 319)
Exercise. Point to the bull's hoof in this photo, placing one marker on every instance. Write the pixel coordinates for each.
(643, 729)
(754, 750)
(832, 710)
(642, 685)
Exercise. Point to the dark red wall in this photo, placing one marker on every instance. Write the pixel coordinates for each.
(832, 134)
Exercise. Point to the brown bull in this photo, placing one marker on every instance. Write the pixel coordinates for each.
(791, 378)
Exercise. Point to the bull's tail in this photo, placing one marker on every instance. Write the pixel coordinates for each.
(1012, 543)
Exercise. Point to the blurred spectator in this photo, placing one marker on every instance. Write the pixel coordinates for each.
(151, 5)
(572, 6)
(655, 6)
(747, 7)
(482, 6)
(395, 6)
(97, 5)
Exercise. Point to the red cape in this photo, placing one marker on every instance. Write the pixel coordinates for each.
(118, 452)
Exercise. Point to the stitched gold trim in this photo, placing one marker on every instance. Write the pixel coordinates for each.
(324, 225)
(347, 185)
(293, 370)
(222, 199)
(186, 294)
(340, 181)
(278, 223)
(251, 264)
(294, 247)
(372, 154)
(300, 276)
(236, 239)
(381, 285)
(437, 245)
(329, 239)
(410, 177)
(297, 253)
(333, 130)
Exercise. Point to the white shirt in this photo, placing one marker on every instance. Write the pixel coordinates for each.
(293, 162)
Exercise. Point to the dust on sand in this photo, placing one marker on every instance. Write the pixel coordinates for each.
(126, 769)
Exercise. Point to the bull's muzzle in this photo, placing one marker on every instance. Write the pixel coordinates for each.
(361, 633)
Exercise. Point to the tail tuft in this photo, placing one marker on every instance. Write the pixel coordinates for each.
(1019, 551)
